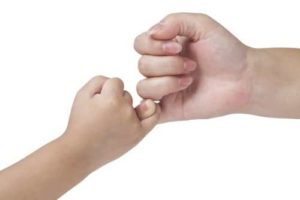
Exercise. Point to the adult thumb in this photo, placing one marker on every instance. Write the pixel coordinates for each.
(191, 25)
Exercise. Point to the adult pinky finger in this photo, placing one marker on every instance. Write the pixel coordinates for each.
(158, 87)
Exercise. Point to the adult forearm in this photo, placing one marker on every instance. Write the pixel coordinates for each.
(275, 82)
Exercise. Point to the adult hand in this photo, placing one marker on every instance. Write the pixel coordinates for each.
(194, 66)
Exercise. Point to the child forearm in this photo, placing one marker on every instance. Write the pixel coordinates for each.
(46, 174)
(90, 141)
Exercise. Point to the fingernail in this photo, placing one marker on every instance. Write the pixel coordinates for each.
(147, 109)
(186, 81)
(155, 28)
(189, 66)
(144, 105)
(172, 47)
(150, 106)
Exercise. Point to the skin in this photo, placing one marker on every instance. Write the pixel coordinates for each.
(197, 69)
(194, 67)
(90, 141)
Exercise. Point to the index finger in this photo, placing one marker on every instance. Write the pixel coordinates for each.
(144, 44)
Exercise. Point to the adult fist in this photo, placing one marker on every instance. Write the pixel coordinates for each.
(194, 66)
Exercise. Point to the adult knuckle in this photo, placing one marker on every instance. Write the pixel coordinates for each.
(97, 78)
(136, 44)
(203, 15)
(140, 88)
(143, 66)
(172, 15)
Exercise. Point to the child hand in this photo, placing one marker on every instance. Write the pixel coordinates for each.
(104, 125)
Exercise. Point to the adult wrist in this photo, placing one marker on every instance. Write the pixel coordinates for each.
(270, 83)
(258, 84)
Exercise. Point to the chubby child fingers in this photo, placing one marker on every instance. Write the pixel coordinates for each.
(128, 97)
(146, 45)
(151, 66)
(94, 86)
(113, 87)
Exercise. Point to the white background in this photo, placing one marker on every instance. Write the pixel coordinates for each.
(48, 49)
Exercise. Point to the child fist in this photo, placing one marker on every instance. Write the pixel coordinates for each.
(103, 123)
